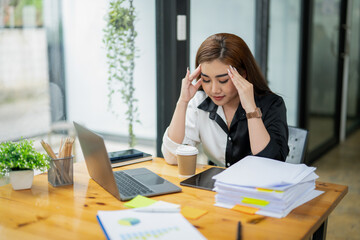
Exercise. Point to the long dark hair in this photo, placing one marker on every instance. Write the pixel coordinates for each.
(232, 50)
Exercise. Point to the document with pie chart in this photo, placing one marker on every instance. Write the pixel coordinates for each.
(131, 225)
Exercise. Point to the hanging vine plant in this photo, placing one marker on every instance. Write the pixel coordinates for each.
(119, 39)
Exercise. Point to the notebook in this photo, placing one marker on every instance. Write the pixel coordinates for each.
(125, 184)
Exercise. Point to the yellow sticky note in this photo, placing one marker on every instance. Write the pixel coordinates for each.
(254, 201)
(268, 190)
(245, 209)
(139, 201)
(264, 190)
(192, 213)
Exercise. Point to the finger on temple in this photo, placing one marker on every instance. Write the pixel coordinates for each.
(198, 68)
(233, 70)
(197, 84)
(196, 72)
(230, 73)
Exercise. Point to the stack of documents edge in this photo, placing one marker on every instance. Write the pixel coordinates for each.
(264, 186)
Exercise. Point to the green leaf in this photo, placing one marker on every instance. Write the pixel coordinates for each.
(21, 155)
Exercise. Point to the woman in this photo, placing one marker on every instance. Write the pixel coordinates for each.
(235, 114)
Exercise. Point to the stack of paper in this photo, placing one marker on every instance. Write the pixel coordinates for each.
(265, 186)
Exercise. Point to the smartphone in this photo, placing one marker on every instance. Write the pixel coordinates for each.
(124, 154)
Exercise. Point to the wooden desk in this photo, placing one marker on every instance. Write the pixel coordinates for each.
(69, 212)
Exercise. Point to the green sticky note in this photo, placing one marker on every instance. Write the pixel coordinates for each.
(139, 201)
(254, 201)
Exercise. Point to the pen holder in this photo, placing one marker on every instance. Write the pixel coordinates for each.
(61, 171)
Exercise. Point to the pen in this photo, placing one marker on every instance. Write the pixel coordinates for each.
(158, 210)
(238, 237)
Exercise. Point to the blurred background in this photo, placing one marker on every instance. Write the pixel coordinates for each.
(54, 70)
(53, 64)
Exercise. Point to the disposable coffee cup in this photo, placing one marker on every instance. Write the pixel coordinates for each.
(186, 158)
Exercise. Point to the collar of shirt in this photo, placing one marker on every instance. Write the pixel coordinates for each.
(209, 106)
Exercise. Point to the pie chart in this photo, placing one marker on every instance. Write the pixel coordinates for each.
(128, 221)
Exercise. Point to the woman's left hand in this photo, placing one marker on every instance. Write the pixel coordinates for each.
(245, 90)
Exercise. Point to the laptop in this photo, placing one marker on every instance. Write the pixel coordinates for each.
(125, 184)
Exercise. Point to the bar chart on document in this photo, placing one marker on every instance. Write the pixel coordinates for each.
(131, 225)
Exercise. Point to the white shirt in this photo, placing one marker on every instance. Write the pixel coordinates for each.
(199, 129)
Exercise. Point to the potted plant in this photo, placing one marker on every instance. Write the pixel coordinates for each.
(20, 159)
(119, 40)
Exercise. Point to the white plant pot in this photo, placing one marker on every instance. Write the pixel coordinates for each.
(21, 179)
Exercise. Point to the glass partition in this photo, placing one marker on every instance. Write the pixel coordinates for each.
(283, 58)
(353, 96)
(323, 72)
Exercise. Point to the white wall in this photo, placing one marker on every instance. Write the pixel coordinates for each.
(86, 68)
(208, 17)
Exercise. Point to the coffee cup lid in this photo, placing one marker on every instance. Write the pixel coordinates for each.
(186, 150)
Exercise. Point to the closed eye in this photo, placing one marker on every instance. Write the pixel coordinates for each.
(205, 81)
(224, 81)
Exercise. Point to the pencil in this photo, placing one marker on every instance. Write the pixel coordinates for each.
(61, 169)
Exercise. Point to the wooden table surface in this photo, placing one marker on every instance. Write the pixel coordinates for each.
(69, 212)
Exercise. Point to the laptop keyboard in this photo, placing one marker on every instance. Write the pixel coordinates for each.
(128, 186)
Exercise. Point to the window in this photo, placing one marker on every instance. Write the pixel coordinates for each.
(24, 98)
(86, 69)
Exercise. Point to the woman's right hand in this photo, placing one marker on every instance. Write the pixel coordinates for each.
(188, 89)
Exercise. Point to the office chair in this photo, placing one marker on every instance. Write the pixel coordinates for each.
(297, 142)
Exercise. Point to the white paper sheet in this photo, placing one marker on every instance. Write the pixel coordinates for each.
(239, 191)
(273, 203)
(131, 225)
